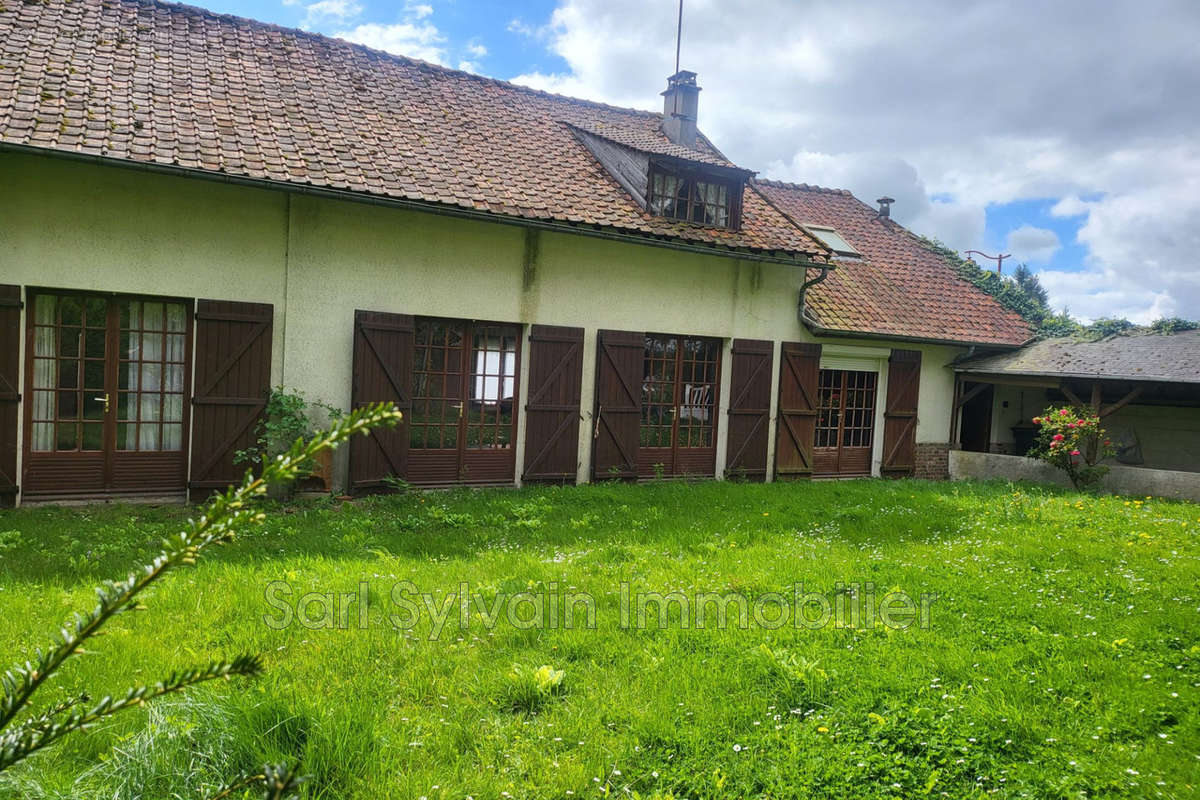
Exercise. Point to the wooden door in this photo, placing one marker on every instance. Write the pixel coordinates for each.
(108, 378)
(10, 391)
(845, 423)
(900, 414)
(619, 361)
(464, 398)
(680, 384)
(749, 409)
(233, 381)
(552, 411)
(382, 373)
(795, 430)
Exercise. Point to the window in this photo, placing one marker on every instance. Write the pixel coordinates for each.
(833, 240)
(679, 391)
(693, 197)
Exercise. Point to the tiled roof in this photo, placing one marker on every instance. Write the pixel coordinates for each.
(1145, 357)
(653, 141)
(172, 85)
(899, 288)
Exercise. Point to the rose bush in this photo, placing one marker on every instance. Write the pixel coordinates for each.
(1074, 442)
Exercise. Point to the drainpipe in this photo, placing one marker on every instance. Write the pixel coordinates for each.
(809, 284)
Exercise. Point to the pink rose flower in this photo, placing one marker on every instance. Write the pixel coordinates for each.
(1074, 452)
(1058, 437)
(1063, 412)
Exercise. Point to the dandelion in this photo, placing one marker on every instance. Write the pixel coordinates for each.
(822, 729)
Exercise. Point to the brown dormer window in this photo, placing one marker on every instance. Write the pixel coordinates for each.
(693, 196)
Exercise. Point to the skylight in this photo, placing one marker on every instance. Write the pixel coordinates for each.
(833, 240)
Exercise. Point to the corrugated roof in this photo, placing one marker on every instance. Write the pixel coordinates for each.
(1172, 358)
(172, 85)
(899, 287)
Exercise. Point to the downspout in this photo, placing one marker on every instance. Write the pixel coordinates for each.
(825, 268)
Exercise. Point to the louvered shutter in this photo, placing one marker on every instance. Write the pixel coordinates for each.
(749, 409)
(10, 396)
(383, 363)
(900, 414)
(233, 380)
(618, 414)
(552, 412)
(799, 370)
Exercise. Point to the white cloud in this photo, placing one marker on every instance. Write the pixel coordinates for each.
(413, 39)
(518, 26)
(1033, 245)
(327, 11)
(902, 99)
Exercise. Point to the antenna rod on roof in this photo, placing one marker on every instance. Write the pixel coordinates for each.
(678, 36)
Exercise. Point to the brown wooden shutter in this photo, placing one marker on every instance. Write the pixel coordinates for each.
(552, 412)
(618, 415)
(233, 380)
(749, 409)
(799, 372)
(900, 414)
(10, 396)
(383, 362)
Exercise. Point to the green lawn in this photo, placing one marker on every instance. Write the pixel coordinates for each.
(1061, 656)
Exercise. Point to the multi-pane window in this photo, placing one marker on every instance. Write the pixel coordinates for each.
(437, 384)
(76, 340)
(679, 391)
(493, 382)
(689, 197)
(69, 350)
(460, 389)
(846, 413)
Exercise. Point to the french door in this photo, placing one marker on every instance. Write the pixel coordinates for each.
(845, 423)
(108, 379)
(464, 399)
(680, 383)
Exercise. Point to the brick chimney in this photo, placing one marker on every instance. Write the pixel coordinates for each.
(680, 106)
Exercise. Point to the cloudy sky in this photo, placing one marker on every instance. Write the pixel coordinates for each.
(1064, 133)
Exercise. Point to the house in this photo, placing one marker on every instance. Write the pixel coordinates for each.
(198, 207)
(1145, 389)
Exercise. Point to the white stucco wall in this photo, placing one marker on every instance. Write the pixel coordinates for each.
(317, 260)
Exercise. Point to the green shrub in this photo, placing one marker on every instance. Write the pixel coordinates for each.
(1074, 442)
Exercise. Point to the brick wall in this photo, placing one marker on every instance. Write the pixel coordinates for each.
(933, 461)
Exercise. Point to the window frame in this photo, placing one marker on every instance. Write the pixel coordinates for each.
(812, 229)
(734, 187)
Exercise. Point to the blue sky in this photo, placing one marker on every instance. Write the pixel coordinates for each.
(998, 125)
(462, 23)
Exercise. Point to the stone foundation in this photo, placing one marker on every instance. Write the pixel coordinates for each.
(932, 461)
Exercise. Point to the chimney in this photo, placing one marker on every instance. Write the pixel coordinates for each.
(885, 207)
(680, 105)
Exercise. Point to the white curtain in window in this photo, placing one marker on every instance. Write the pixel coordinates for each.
(45, 371)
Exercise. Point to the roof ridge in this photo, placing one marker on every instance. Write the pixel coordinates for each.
(236, 18)
(806, 187)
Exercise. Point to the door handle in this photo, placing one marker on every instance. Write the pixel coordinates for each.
(103, 399)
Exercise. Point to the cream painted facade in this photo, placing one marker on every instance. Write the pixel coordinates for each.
(80, 226)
